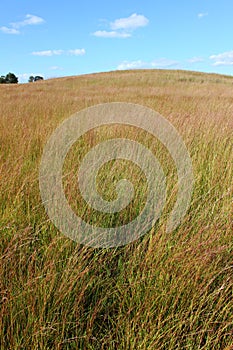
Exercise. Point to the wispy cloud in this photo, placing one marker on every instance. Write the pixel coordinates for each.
(14, 27)
(111, 34)
(49, 53)
(56, 68)
(7, 30)
(164, 63)
(131, 65)
(76, 52)
(195, 60)
(23, 78)
(29, 20)
(202, 14)
(123, 27)
(130, 23)
(139, 64)
(223, 59)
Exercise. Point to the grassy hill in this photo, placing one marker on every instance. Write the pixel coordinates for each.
(164, 291)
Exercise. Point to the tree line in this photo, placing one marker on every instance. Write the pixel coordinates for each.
(11, 78)
(36, 78)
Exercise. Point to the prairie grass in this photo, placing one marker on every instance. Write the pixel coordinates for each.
(164, 291)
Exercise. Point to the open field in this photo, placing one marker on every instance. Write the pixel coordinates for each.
(161, 292)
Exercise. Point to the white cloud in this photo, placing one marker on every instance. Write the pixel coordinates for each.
(223, 59)
(131, 65)
(77, 52)
(111, 34)
(202, 14)
(29, 20)
(160, 63)
(130, 23)
(8, 30)
(49, 53)
(195, 60)
(123, 27)
(23, 78)
(14, 27)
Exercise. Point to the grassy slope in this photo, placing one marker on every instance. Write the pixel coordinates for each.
(162, 292)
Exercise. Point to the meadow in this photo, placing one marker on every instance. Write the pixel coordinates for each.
(163, 291)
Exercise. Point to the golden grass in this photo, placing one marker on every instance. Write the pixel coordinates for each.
(161, 292)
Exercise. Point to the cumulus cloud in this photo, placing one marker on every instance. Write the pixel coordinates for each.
(49, 53)
(14, 27)
(139, 64)
(123, 27)
(223, 59)
(132, 22)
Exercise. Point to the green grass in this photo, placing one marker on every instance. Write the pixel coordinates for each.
(164, 291)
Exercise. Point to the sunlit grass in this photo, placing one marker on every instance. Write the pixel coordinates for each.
(164, 291)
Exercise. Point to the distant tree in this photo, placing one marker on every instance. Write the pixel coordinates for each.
(11, 79)
(2, 79)
(38, 78)
(31, 79)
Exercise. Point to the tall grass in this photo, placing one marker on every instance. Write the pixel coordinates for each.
(161, 292)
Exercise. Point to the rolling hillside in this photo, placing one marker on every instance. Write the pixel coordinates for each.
(163, 291)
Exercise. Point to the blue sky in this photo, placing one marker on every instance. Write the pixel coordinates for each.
(52, 38)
